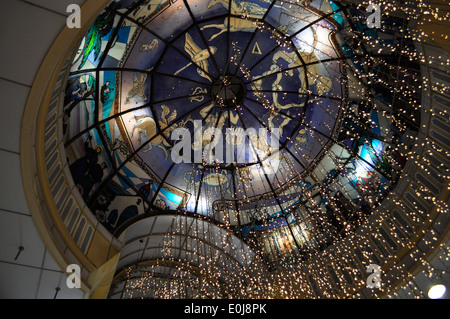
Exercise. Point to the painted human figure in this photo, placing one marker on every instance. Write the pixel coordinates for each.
(81, 165)
(85, 165)
(93, 176)
(105, 91)
(81, 91)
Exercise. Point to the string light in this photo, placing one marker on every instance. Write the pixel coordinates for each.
(317, 210)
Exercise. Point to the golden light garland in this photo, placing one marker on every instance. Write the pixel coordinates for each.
(207, 272)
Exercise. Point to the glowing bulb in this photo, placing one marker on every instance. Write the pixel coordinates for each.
(436, 292)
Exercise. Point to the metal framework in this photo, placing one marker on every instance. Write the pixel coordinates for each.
(367, 56)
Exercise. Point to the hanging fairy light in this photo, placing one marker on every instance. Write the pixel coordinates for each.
(318, 198)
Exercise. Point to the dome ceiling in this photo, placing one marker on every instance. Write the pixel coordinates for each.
(292, 72)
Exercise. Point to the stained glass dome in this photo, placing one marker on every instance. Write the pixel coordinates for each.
(292, 130)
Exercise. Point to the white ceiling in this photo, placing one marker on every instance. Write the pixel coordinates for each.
(34, 274)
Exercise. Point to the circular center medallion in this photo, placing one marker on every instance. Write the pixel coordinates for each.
(228, 91)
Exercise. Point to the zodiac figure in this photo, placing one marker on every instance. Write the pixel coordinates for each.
(324, 83)
(243, 7)
(138, 88)
(149, 47)
(270, 118)
(198, 57)
(257, 87)
(236, 24)
(147, 126)
(276, 87)
(257, 80)
(197, 94)
(211, 179)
